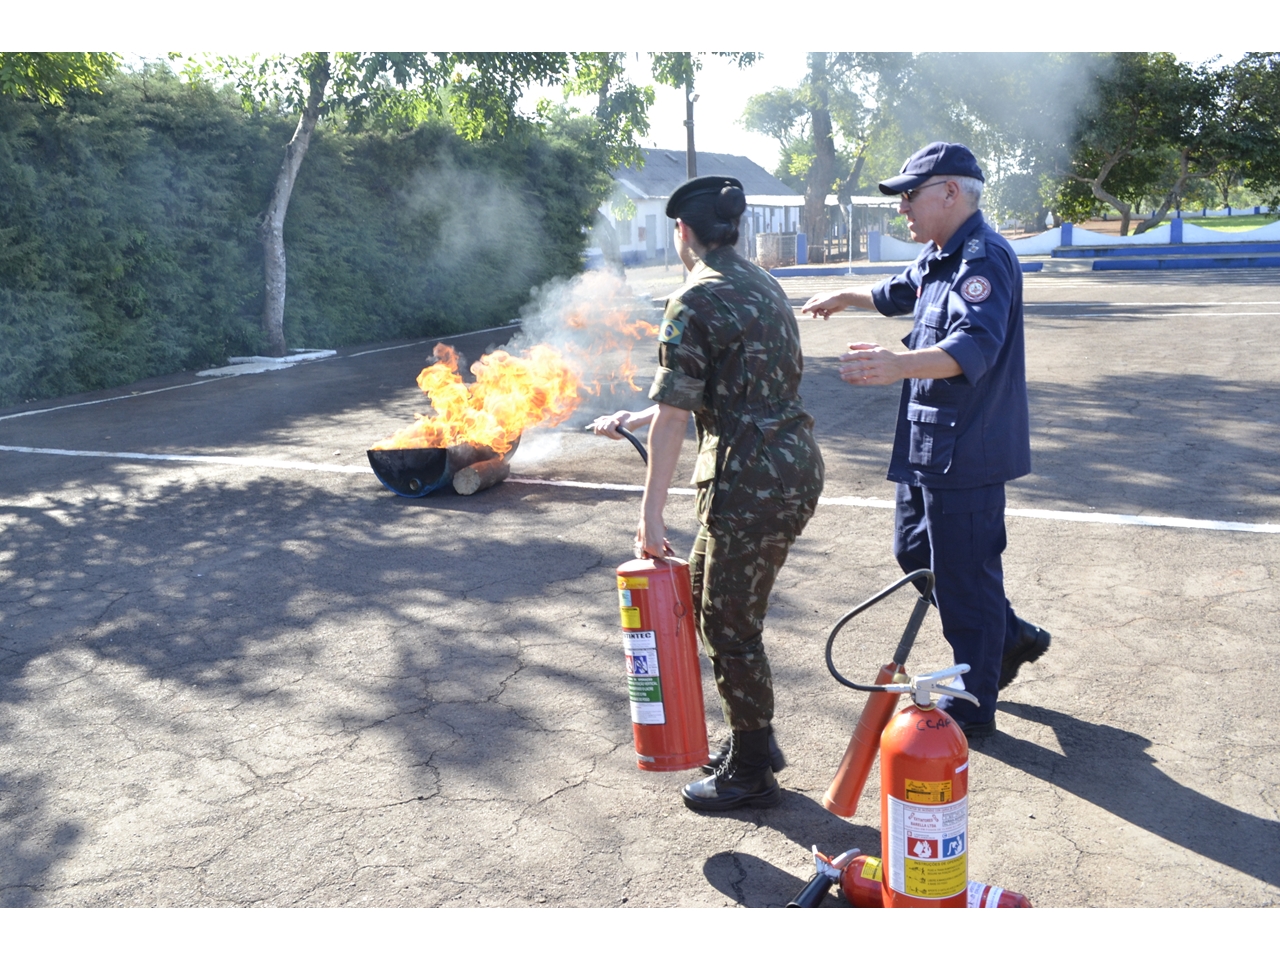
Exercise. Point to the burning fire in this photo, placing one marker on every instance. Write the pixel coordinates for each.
(510, 395)
(613, 333)
(594, 327)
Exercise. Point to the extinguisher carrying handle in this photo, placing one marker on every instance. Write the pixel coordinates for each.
(923, 687)
(908, 635)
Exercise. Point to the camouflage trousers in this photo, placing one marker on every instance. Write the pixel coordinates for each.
(733, 567)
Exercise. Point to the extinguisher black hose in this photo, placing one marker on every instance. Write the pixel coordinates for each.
(908, 635)
(635, 442)
(814, 892)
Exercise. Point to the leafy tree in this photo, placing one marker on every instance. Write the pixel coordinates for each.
(477, 92)
(49, 77)
(1146, 101)
(1248, 148)
(826, 127)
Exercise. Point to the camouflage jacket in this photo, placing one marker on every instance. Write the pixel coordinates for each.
(729, 352)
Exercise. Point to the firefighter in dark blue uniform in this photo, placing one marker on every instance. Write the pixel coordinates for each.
(963, 428)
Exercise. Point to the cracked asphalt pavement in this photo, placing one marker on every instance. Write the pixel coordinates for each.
(233, 683)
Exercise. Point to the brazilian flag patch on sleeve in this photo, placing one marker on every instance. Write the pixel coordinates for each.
(671, 330)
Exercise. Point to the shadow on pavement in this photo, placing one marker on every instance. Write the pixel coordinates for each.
(1168, 444)
(26, 857)
(262, 594)
(752, 882)
(1110, 768)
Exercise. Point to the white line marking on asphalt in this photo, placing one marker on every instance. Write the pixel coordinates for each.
(418, 343)
(147, 393)
(90, 403)
(1070, 516)
(198, 458)
(582, 485)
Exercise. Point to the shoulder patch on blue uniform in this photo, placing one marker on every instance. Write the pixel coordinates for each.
(671, 330)
(975, 248)
(975, 289)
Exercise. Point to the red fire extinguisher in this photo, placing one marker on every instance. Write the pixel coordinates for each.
(924, 803)
(861, 882)
(664, 679)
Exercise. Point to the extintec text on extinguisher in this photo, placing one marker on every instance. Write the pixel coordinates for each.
(644, 685)
(928, 847)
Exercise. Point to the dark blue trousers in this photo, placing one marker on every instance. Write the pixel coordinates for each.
(959, 535)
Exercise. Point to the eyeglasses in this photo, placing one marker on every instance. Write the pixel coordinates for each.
(910, 195)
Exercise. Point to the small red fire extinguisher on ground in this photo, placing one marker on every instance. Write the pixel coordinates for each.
(664, 679)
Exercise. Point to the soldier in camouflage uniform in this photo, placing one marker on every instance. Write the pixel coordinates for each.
(729, 353)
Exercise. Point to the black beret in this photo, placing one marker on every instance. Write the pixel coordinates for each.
(697, 187)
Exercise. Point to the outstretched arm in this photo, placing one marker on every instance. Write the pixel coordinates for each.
(825, 304)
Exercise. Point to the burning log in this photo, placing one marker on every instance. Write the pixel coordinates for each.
(418, 471)
(481, 476)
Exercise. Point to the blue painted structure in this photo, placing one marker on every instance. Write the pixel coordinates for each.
(1174, 255)
(1145, 250)
(1149, 262)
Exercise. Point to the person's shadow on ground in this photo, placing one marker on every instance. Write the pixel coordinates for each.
(1110, 768)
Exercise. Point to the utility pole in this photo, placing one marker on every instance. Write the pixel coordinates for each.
(690, 155)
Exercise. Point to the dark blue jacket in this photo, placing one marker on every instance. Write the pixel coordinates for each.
(972, 429)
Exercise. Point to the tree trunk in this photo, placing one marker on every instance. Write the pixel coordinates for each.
(1095, 185)
(1173, 196)
(272, 229)
(823, 169)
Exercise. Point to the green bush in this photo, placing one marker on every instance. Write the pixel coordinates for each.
(129, 246)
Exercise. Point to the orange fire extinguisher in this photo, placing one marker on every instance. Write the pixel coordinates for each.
(924, 803)
(664, 679)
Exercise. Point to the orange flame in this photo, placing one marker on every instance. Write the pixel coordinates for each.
(510, 395)
(612, 332)
(596, 333)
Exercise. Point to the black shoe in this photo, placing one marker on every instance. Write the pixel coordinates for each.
(776, 760)
(1032, 642)
(977, 731)
(744, 779)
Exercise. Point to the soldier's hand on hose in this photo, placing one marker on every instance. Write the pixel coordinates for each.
(607, 426)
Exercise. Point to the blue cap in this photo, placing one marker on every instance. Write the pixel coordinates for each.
(938, 159)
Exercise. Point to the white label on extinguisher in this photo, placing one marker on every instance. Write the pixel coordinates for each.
(977, 889)
(928, 848)
(644, 687)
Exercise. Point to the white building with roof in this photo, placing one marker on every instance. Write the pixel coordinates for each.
(772, 206)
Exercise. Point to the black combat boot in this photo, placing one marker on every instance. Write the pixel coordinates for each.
(776, 760)
(744, 779)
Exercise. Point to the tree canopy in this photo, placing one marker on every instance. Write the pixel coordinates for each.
(49, 77)
(1068, 134)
